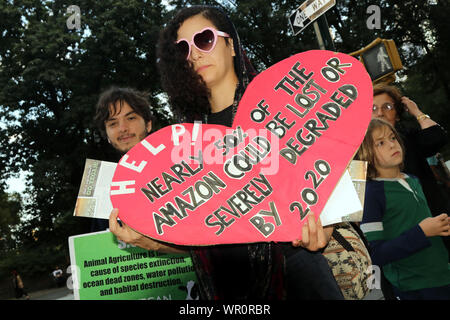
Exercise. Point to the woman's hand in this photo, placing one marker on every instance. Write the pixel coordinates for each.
(314, 235)
(411, 107)
(126, 234)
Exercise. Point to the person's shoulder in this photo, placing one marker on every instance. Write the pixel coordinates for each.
(410, 176)
(374, 195)
(412, 179)
(374, 185)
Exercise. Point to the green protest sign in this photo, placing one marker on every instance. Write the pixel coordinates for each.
(106, 269)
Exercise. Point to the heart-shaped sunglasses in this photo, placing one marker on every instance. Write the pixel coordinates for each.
(204, 40)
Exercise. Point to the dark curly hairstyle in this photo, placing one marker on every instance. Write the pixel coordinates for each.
(188, 94)
(136, 100)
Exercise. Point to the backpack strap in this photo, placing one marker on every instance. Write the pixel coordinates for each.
(361, 235)
(344, 243)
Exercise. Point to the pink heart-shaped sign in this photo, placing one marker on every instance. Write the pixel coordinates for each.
(298, 126)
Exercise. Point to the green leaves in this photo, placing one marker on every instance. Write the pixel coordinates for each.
(51, 77)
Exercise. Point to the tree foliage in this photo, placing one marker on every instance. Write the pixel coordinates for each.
(9, 218)
(51, 76)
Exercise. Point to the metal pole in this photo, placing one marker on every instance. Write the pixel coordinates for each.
(318, 35)
(323, 34)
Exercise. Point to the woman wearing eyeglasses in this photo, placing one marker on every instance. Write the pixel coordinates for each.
(420, 143)
(205, 72)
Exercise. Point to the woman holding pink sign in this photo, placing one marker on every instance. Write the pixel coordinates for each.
(205, 72)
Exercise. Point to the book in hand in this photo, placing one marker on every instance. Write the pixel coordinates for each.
(93, 197)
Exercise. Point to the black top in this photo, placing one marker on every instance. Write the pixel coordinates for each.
(420, 144)
(223, 117)
(231, 263)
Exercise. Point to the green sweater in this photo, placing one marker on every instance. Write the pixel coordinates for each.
(393, 208)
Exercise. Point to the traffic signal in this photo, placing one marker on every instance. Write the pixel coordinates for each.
(380, 58)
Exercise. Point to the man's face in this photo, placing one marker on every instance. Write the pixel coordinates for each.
(126, 128)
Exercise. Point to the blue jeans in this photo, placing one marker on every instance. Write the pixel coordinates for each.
(309, 277)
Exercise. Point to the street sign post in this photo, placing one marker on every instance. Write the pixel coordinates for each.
(308, 12)
(323, 31)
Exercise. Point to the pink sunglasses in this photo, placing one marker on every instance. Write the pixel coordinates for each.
(204, 40)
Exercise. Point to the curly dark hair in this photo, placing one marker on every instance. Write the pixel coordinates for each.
(188, 94)
(137, 100)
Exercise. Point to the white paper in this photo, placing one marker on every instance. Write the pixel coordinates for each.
(343, 202)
